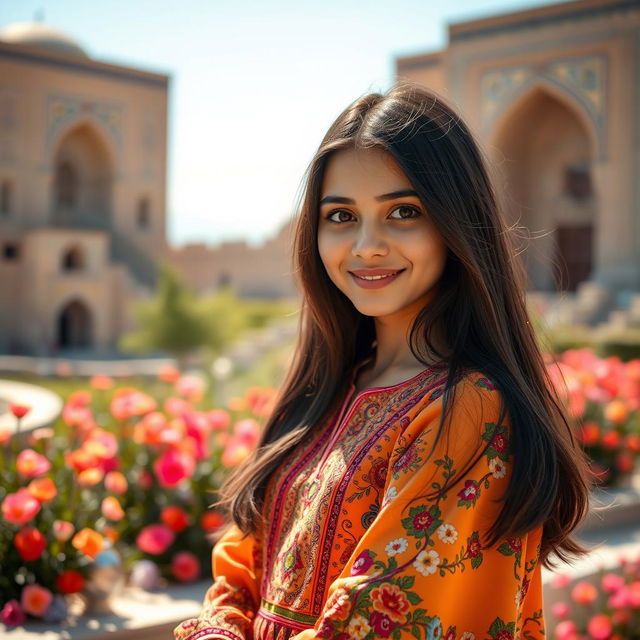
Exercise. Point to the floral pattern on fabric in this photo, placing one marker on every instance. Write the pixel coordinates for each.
(371, 537)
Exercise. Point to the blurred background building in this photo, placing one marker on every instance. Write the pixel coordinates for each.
(82, 191)
(552, 94)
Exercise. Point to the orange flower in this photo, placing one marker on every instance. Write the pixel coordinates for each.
(43, 489)
(390, 600)
(211, 520)
(81, 459)
(616, 411)
(80, 398)
(101, 382)
(111, 509)
(167, 373)
(110, 533)
(590, 433)
(90, 477)
(88, 541)
(5, 435)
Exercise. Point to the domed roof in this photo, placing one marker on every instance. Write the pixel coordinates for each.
(37, 34)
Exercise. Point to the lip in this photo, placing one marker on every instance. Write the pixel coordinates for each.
(374, 272)
(375, 284)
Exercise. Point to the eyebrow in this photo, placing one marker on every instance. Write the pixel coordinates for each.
(402, 193)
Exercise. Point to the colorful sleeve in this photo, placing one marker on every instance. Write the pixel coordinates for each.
(421, 570)
(231, 602)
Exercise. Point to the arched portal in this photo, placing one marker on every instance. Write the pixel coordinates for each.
(74, 326)
(82, 180)
(547, 167)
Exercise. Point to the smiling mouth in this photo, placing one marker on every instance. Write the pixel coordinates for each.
(388, 275)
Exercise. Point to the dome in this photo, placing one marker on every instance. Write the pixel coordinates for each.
(37, 34)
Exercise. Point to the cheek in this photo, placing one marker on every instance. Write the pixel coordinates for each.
(329, 250)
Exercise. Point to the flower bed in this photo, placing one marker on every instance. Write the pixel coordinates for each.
(603, 398)
(606, 607)
(122, 483)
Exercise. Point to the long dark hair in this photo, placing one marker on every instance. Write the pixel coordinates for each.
(480, 305)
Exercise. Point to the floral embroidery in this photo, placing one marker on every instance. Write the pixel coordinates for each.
(426, 562)
(396, 546)
(447, 533)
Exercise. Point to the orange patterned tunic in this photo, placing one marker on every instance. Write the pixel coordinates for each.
(361, 541)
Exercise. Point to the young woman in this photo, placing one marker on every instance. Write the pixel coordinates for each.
(418, 468)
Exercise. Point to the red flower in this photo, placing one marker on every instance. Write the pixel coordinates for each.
(470, 491)
(473, 546)
(30, 543)
(175, 518)
(422, 520)
(19, 410)
(515, 543)
(499, 443)
(381, 624)
(70, 581)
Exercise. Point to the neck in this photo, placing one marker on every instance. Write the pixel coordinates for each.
(392, 339)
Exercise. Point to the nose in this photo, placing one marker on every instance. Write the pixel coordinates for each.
(369, 242)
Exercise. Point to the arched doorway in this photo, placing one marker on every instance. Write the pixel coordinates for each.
(82, 180)
(74, 326)
(547, 167)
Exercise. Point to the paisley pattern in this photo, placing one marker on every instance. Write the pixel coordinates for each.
(369, 536)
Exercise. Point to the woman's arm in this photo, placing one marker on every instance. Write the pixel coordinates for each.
(231, 602)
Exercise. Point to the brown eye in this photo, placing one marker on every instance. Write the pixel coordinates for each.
(330, 215)
(412, 211)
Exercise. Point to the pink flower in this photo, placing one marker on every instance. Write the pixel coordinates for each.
(185, 566)
(31, 464)
(561, 580)
(174, 466)
(219, 419)
(248, 432)
(62, 530)
(191, 387)
(633, 594)
(612, 582)
(566, 630)
(560, 610)
(115, 482)
(20, 507)
(35, 599)
(155, 539)
(12, 614)
(599, 627)
(584, 592)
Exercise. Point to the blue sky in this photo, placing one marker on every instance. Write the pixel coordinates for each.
(254, 86)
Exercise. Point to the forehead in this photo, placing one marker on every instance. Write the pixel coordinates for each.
(362, 168)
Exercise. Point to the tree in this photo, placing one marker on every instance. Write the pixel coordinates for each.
(173, 321)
